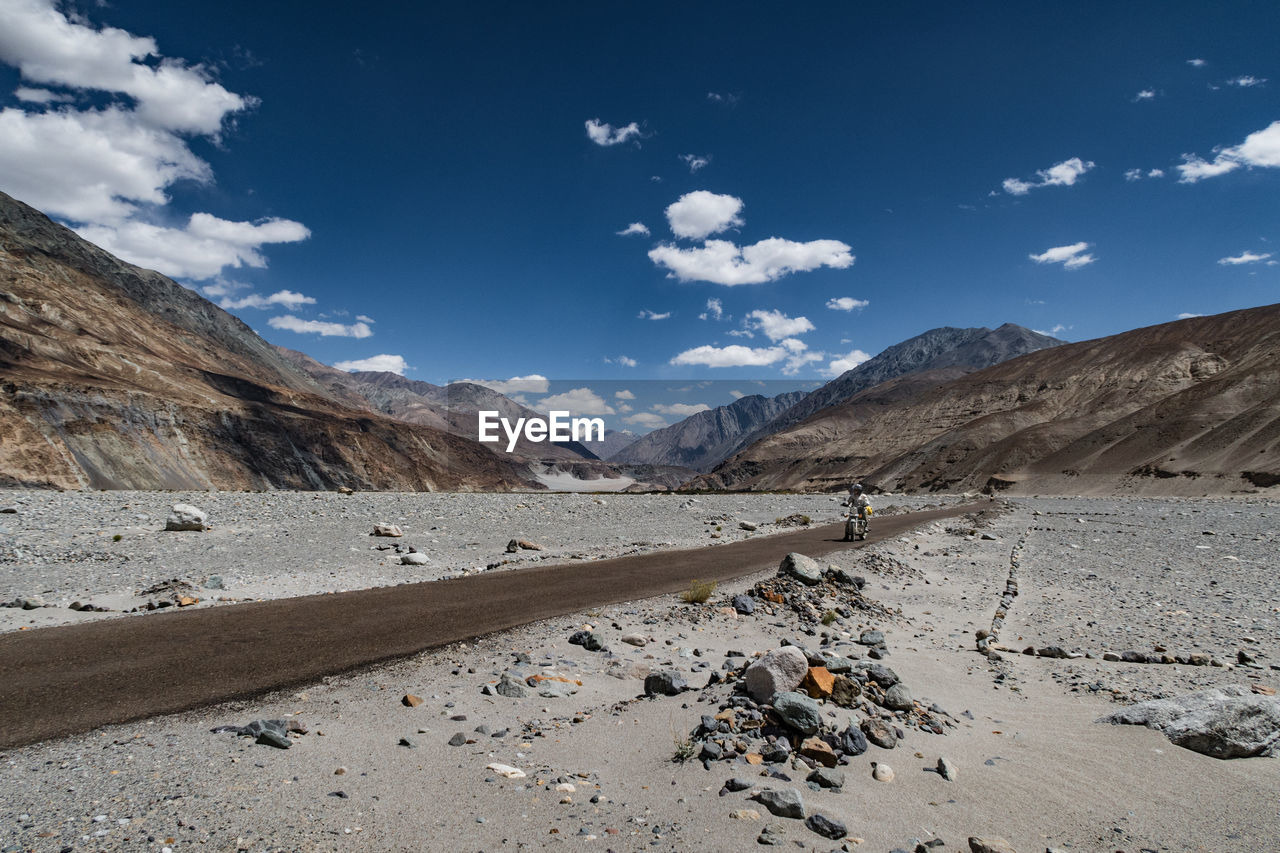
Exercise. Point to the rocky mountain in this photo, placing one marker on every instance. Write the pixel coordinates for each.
(614, 441)
(117, 377)
(1190, 407)
(702, 440)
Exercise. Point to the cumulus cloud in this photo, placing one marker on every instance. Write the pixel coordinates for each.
(680, 410)
(323, 328)
(846, 303)
(1062, 174)
(722, 262)
(378, 363)
(1156, 173)
(695, 162)
(1246, 81)
(532, 384)
(1145, 95)
(1133, 174)
(775, 325)
(646, 314)
(715, 310)
(700, 214)
(109, 167)
(624, 394)
(285, 298)
(634, 228)
(1072, 257)
(792, 352)
(846, 362)
(1197, 63)
(1188, 316)
(1260, 148)
(648, 420)
(625, 361)
(605, 134)
(578, 401)
(1244, 258)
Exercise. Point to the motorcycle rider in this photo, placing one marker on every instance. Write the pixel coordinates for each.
(859, 507)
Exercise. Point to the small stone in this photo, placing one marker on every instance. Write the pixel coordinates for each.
(506, 770)
(744, 814)
(744, 604)
(871, 638)
(990, 845)
(777, 671)
(946, 769)
(825, 826)
(880, 733)
(898, 698)
(637, 640)
(410, 700)
(882, 773)
(510, 687)
(404, 741)
(783, 803)
(458, 739)
(383, 529)
(827, 777)
(818, 682)
(272, 737)
(736, 784)
(665, 683)
(414, 558)
(747, 526)
(819, 750)
(845, 691)
(882, 675)
(773, 834)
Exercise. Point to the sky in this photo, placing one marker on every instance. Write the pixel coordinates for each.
(659, 191)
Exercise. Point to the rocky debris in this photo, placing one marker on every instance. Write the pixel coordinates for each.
(268, 732)
(879, 732)
(1227, 722)
(589, 640)
(669, 682)
(796, 519)
(777, 671)
(458, 739)
(987, 639)
(843, 576)
(783, 802)
(186, 517)
(882, 772)
(827, 827)
(522, 545)
(507, 686)
(29, 602)
(170, 593)
(898, 698)
(744, 814)
(802, 568)
(990, 845)
(553, 686)
(384, 529)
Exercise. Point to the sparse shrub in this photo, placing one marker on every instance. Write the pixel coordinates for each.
(686, 748)
(117, 537)
(793, 520)
(698, 591)
(829, 617)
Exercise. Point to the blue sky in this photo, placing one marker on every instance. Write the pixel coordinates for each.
(815, 182)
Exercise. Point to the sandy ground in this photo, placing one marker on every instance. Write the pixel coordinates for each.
(1033, 766)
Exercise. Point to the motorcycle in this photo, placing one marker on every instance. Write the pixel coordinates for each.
(855, 526)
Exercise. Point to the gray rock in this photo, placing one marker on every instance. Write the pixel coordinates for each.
(214, 582)
(510, 687)
(747, 526)
(871, 638)
(946, 769)
(898, 698)
(783, 803)
(552, 689)
(274, 737)
(458, 739)
(798, 711)
(802, 568)
(852, 741)
(778, 671)
(772, 835)
(990, 845)
(1228, 722)
(414, 558)
(827, 777)
(186, 517)
(736, 784)
(384, 529)
(827, 827)
(665, 683)
(31, 602)
(843, 576)
(880, 733)
(882, 675)
(744, 604)
(637, 640)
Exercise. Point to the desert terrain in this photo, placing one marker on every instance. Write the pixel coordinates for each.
(585, 759)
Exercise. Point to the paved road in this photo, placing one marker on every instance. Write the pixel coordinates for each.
(60, 681)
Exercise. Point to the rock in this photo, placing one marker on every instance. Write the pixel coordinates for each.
(946, 769)
(414, 558)
(510, 687)
(506, 770)
(827, 827)
(798, 711)
(819, 750)
(186, 517)
(871, 638)
(898, 698)
(744, 604)
(882, 773)
(458, 739)
(1228, 722)
(744, 814)
(187, 600)
(990, 845)
(818, 682)
(852, 741)
(827, 777)
(274, 737)
(748, 526)
(31, 602)
(9, 510)
(841, 576)
(214, 582)
(637, 640)
(384, 529)
(845, 691)
(407, 742)
(588, 640)
(882, 675)
(665, 683)
(802, 568)
(522, 545)
(773, 834)
(880, 733)
(778, 671)
(411, 700)
(736, 784)
(1055, 652)
(783, 803)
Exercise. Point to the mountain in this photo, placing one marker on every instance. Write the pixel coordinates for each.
(702, 440)
(1190, 407)
(614, 440)
(116, 377)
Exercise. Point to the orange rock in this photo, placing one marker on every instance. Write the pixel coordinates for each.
(535, 680)
(411, 700)
(1264, 690)
(775, 597)
(818, 682)
(754, 758)
(819, 751)
(187, 601)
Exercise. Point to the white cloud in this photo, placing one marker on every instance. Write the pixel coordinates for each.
(1056, 330)
(578, 401)
(1072, 257)
(603, 133)
(378, 363)
(634, 228)
(646, 419)
(625, 361)
(695, 162)
(681, 410)
(700, 214)
(201, 250)
(734, 355)
(775, 325)
(1260, 148)
(847, 362)
(364, 319)
(646, 314)
(624, 394)
(323, 328)
(1188, 316)
(722, 262)
(1244, 258)
(1197, 63)
(846, 303)
(41, 96)
(737, 395)
(1133, 174)
(286, 298)
(741, 333)
(1062, 174)
(1156, 173)
(1246, 81)
(1145, 95)
(715, 310)
(531, 384)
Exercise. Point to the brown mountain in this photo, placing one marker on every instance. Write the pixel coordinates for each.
(118, 377)
(1191, 407)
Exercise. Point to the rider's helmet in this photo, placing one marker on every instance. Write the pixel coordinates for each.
(855, 488)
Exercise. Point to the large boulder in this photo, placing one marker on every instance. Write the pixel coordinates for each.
(1228, 722)
(802, 568)
(798, 711)
(777, 672)
(186, 517)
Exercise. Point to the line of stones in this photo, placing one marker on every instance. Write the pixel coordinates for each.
(987, 639)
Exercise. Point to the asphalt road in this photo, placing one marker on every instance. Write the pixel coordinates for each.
(61, 681)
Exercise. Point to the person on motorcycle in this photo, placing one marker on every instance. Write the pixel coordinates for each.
(859, 511)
